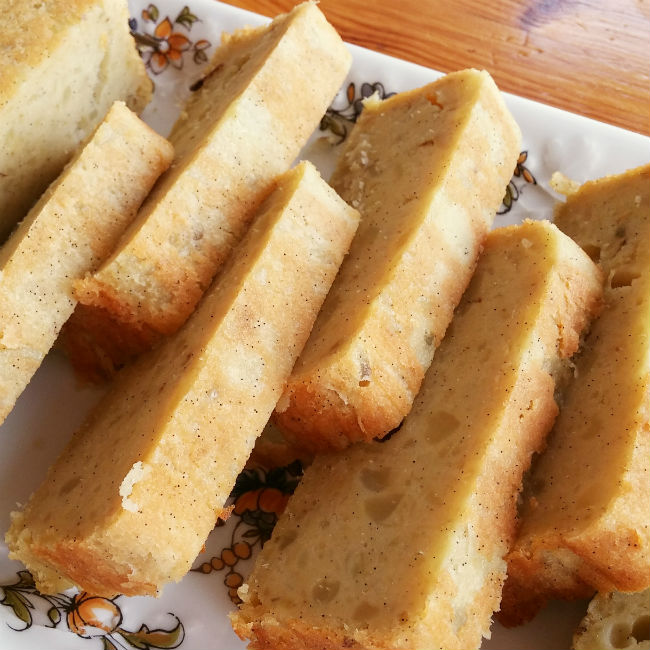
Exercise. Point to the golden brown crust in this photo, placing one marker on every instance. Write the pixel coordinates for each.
(406, 165)
(99, 340)
(90, 567)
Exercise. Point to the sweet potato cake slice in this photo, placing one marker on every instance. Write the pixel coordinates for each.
(266, 92)
(584, 521)
(427, 170)
(131, 500)
(400, 544)
(69, 232)
(64, 63)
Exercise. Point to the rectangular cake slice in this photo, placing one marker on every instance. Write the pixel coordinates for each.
(266, 92)
(74, 226)
(130, 501)
(427, 170)
(585, 522)
(63, 64)
(400, 543)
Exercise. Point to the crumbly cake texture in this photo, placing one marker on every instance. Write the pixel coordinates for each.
(73, 227)
(129, 503)
(615, 620)
(64, 62)
(400, 543)
(427, 170)
(243, 127)
(584, 521)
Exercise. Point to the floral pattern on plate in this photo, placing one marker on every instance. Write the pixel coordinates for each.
(161, 46)
(87, 616)
(512, 190)
(257, 500)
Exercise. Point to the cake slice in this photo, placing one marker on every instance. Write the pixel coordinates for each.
(244, 126)
(615, 620)
(130, 501)
(584, 521)
(63, 65)
(400, 543)
(73, 227)
(427, 170)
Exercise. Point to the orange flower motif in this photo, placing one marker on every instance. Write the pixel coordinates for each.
(91, 616)
(266, 499)
(169, 47)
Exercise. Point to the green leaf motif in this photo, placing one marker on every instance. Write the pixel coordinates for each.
(21, 606)
(153, 12)
(186, 18)
(54, 615)
(144, 638)
(507, 199)
(25, 580)
(200, 57)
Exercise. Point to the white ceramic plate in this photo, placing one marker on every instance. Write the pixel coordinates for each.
(176, 40)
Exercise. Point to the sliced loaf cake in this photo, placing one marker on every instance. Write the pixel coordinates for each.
(400, 544)
(132, 498)
(246, 124)
(584, 521)
(427, 170)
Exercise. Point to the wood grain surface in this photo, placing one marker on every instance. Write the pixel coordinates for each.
(590, 57)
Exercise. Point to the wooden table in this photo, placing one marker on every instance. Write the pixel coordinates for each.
(590, 57)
